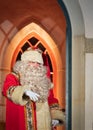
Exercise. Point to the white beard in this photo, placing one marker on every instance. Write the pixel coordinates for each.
(34, 77)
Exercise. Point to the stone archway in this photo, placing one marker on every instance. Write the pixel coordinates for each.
(51, 47)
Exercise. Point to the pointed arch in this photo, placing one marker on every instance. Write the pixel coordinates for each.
(18, 41)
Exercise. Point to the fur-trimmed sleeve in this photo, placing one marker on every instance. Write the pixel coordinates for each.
(55, 110)
(16, 94)
(13, 90)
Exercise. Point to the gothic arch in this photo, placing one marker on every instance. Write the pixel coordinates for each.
(17, 42)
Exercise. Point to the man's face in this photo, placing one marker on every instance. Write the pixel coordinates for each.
(35, 64)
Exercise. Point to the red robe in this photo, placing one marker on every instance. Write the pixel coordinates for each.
(16, 113)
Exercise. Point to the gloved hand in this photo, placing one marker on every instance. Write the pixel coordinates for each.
(55, 122)
(32, 95)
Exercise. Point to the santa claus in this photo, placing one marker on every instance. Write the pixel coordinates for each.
(30, 103)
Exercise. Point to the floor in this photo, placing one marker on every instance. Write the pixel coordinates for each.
(2, 126)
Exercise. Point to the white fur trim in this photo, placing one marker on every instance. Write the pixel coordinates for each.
(58, 115)
(32, 55)
(17, 95)
(43, 116)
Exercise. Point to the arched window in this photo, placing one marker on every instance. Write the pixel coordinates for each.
(33, 35)
(32, 42)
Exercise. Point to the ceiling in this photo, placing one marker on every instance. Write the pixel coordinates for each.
(80, 13)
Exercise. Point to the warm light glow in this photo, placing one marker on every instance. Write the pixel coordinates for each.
(18, 41)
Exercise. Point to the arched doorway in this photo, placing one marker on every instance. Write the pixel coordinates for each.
(33, 35)
(30, 36)
(7, 67)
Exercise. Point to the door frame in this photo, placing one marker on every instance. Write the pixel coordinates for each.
(68, 67)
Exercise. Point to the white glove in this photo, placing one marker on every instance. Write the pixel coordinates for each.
(32, 95)
(55, 122)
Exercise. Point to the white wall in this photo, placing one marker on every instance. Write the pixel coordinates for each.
(89, 91)
(78, 87)
(76, 17)
(87, 11)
